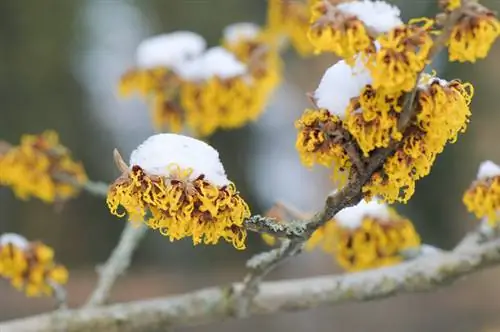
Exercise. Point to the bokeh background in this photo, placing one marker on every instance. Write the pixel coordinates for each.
(60, 61)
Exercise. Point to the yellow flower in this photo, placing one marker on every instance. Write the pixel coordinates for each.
(450, 5)
(483, 196)
(372, 119)
(143, 81)
(30, 266)
(402, 56)
(229, 93)
(167, 113)
(218, 103)
(180, 182)
(290, 19)
(473, 35)
(36, 168)
(443, 111)
(320, 140)
(268, 239)
(344, 35)
(367, 236)
(160, 87)
(260, 53)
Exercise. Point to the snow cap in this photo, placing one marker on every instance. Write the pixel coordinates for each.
(488, 169)
(15, 239)
(378, 16)
(169, 50)
(339, 84)
(215, 62)
(235, 32)
(352, 217)
(159, 151)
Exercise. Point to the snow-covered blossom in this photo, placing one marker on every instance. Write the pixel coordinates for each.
(29, 266)
(180, 182)
(483, 196)
(366, 236)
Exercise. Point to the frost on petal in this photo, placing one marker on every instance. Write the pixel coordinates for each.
(215, 62)
(339, 84)
(488, 169)
(169, 50)
(236, 32)
(378, 16)
(352, 217)
(15, 239)
(158, 152)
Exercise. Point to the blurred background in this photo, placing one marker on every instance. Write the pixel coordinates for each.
(59, 65)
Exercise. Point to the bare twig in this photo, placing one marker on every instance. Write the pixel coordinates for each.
(96, 188)
(117, 263)
(60, 295)
(213, 304)
(260, 265)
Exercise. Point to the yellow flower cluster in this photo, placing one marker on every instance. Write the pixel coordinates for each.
(290, 19)
(372, 119)
(321, 140)
(179, 207)
(334, 31)
(442, 113)
(233, 102)
(374, 243)
(387, 59)
(402, 56)
(476, 30)
(483, 197)
(206, 104)
(41, 167)
(30, 267)
(160, 86)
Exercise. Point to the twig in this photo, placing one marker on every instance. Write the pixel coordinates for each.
(260, 265)
(350, 195)
(96, 188)
(60, 295)
(117, 263)
(213, 304)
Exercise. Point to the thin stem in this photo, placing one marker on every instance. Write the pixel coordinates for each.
(117, 263)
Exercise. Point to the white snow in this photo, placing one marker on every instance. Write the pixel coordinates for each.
(159, 151)
(352, 217)
(488, 169)
(216, 61)
(376, 15)
(169, 50)
(339, 84)
(15, 239)
(427, 79)
(236, 32)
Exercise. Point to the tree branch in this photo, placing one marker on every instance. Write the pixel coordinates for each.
(213, 304)
(117, 263)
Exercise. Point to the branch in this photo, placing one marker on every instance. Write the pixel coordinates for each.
(213, 304)
(117, 263)
(349, 195)
(260, 265)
